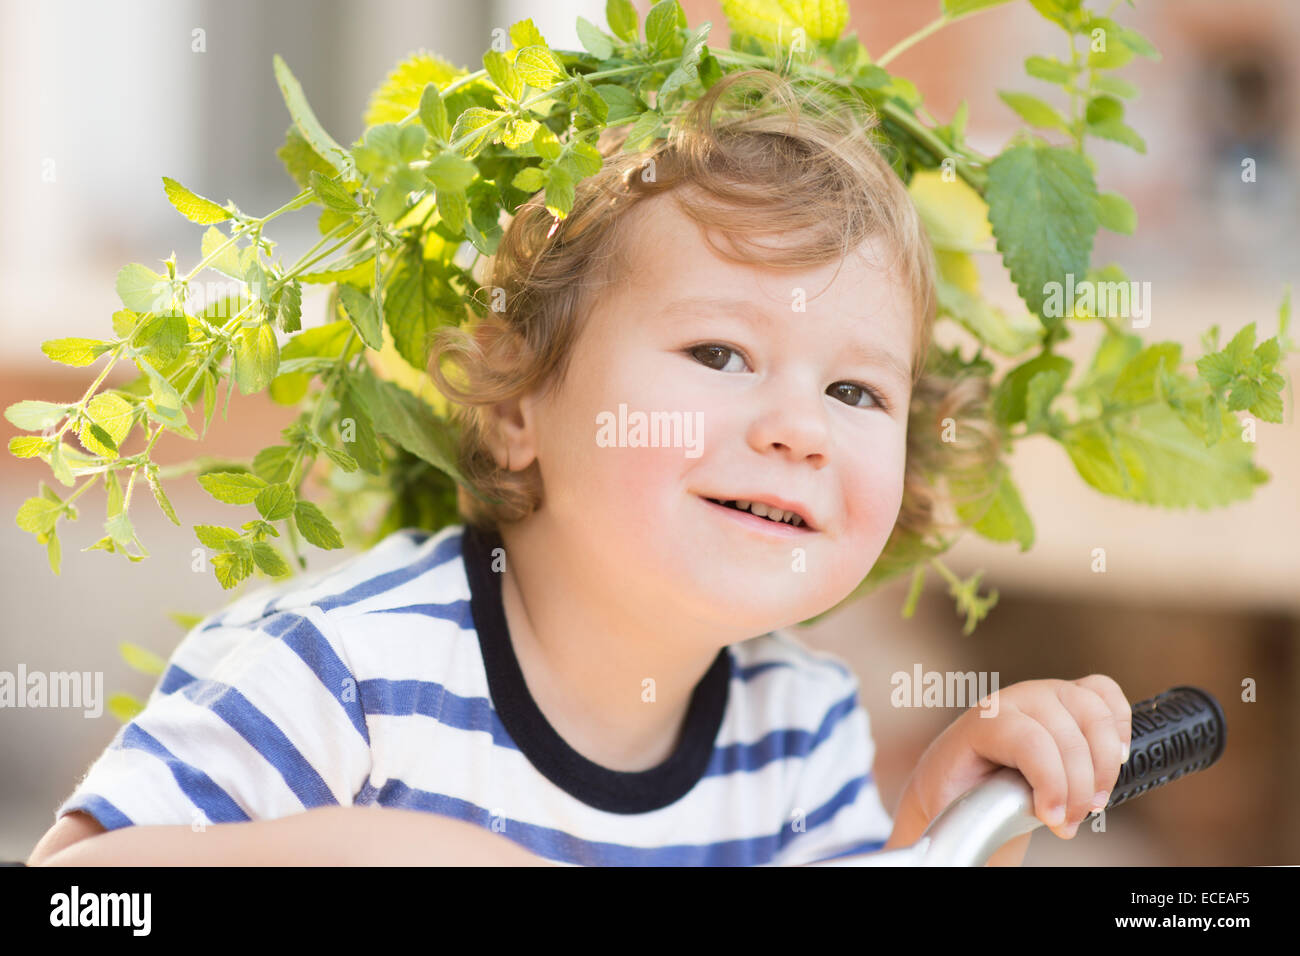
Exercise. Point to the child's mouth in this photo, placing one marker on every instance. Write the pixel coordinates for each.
(792, 527)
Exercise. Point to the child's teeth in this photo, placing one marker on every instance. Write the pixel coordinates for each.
(759, 509)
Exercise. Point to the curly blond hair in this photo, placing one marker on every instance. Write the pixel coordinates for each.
(794, 162)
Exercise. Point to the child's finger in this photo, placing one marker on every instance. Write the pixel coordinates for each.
(1075, 754)
(1017, 740)
(1097, 722)
(1119, 706)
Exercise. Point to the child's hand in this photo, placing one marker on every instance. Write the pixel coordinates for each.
(1067, 738)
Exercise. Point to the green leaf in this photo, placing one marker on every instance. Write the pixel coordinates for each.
(28, 446)
(274, 464)
(360, 308)
(316, 527)
(357, 433)
(661, 25)
(275, 502)
(305, 120)
(539, 67)
(54, 551)
(38, 515)
(648, 127)
(1136, 382)
(332, 194)
(417, 301)
(451, 171)
(342, 459)
(193, 207)
(594, 40)
(257, 356)
(1114, 85)
(1043, 208)
(1034, 111)
(529, 179)
(433, 113)
(230, 568)
(525, 33)
(1048, 68)
(559, 191)
(621, 16)
(1116, 213)
(75, 352)
(231, 261)
(125, 707)
(1009, 397)
(164, 336)
(290, 313)
(325, 341)
(33, 416)
(186, 622)
(472, 126)
(115, 415)
(300, 159)
(215, 537)
(232, 487)
(999, 514)
(623, 103)
(1150, 456)
(119, 528)
(774, 21)
(160, 496)
(1041, 392)
(407, 420)
(141, 659)
(142, 289)
(269, 560)
(503, 74)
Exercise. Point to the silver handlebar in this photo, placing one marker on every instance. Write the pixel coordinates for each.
(969, 831)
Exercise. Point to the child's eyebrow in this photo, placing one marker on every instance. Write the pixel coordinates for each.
(751, 312)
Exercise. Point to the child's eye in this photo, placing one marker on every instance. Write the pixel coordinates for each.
(862, 390)
(717, 353)
(713, 351)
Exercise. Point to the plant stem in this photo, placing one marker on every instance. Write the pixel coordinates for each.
(907, 42)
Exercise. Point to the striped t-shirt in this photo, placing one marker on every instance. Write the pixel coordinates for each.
(390, 680)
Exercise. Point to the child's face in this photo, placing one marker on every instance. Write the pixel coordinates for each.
(779, 418)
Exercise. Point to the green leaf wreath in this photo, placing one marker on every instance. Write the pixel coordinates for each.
(408, 209)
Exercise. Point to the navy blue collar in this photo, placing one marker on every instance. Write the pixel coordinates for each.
(614, 791)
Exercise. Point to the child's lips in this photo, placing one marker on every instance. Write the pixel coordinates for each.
(755, 523)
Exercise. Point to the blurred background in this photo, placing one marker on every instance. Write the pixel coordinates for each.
(99, 100)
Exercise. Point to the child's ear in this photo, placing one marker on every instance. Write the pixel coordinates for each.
(513, 439)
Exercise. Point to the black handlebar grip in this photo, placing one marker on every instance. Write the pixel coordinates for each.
(1174, 733)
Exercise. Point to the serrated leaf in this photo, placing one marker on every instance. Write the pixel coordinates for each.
(28, 446)
(472, 126)
(114, 415)
(774, 21)
(648, 127)
(75, 352)
(315, 527)
(257, 356)
(160, 496)
(525, 33)
(164, 336)
(594, 40)
(332, 193)
(231, 261)
(38, 516)
(538, 67)
(400, 93)
(215, 537)
(360, 309)
(33, 416)
(269, 560)
(357, 433)
(417, 301)
(141, 658)
(290, 311)
(119, 528)
(230, 568)
(1034, 111)
(192, 206)
(232, 487)
(529, 179)
(1153, 458)
(143, 290)
(1009, 397)
(621, 16)
(397, 414)
(559, 192)
(305, 120)
(997, 513)
(1043, 209)
(451, 171)
(433, 113)
(275, 502)
(503, 74)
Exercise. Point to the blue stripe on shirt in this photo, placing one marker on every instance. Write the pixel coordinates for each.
(201, 790)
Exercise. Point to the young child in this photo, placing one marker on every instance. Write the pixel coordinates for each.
(594, 666)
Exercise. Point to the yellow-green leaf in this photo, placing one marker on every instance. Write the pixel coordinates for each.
(75, 352)
(192, 206)
(141, 658)
(112, 413)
